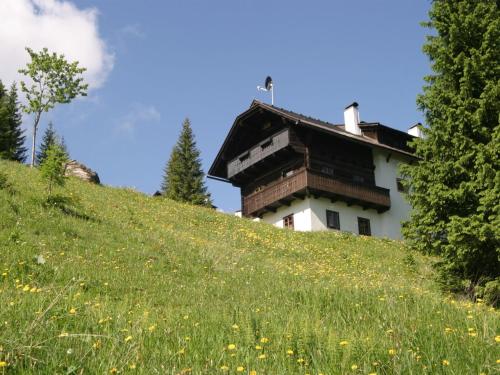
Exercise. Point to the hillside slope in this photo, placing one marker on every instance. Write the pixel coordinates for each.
(108, 280)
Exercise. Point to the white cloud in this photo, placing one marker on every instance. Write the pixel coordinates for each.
(58, 25)
(139, 114)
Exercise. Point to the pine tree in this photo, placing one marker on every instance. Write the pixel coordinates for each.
(50, 137)
(455, 187)
(4, 123)
(17, 138)
(11, 135)
(183, 179)
(53, 167)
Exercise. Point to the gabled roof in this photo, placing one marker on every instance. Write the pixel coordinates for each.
(301, 120)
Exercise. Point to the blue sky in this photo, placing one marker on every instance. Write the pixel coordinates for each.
(204, 59)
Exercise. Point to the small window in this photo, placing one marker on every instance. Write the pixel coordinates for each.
(288, 222)
(400, 184)
(332, 219)
(364, 226)
(358, 179)
(327, 170)
(268, 142)
(245, 156)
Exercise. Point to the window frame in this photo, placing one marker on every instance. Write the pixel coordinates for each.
(336, 219)
(288, 222)
(364, 226)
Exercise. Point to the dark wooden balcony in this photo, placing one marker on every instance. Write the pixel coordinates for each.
(306, 182)
(258, 153)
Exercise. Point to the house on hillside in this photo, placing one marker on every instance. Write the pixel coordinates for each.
(306, 174)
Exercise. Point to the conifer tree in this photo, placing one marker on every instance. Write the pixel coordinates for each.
(11, 135)
(17, 137)
(49, 138)
(455, 186)
(183, 179)
(53, 167)
(4, 122)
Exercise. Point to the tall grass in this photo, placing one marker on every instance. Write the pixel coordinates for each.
(104, 280)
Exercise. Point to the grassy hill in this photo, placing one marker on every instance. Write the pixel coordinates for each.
(108, 280)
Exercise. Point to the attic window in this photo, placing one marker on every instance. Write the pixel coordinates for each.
(268, 142)
(245, 156)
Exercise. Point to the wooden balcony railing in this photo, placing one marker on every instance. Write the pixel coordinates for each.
(305, 181)
(257, 153)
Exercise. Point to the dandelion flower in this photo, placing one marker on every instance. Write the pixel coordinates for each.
(264, 340)
(151, 328)
(289, 352)
(132, 366)
(128, 338)
(235, 326)
(354, 367)
(446, 362)
(258, 347)
(72, 311)
(3, 364)
(253, 372)
(300, 360)
(114, 370)
(497, 338)
(224, 368)
(392, 351)
(262, 356)
(231, 347)
(240, 369)
(343, 343)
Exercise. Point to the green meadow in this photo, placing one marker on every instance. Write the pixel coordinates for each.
(101, 280)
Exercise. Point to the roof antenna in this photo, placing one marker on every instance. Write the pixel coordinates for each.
(268, 86)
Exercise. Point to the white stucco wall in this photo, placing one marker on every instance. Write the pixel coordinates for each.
(301, 210)
(386, 173)
(310, 213)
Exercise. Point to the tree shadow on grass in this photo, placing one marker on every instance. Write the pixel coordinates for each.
(68, 206)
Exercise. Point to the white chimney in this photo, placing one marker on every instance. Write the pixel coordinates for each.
(416, 130)
(351, 119)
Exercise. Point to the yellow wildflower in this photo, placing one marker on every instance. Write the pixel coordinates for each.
(26, 288)
(289, 352)
(258, 347)
(3, 364)
(235, 326)
(497, 338)
(392, 351)
(132, 366)
(262, 356)
(446, 362)
(343, 343)
(231, 347)
(240, 369)
(224, 368)
(72, 311)
(114, 370)
(264, 340)
(151, 328)
(128, 338)
(354, 367)
(253, 372)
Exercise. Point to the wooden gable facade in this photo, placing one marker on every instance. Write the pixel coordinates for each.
(276, 156)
